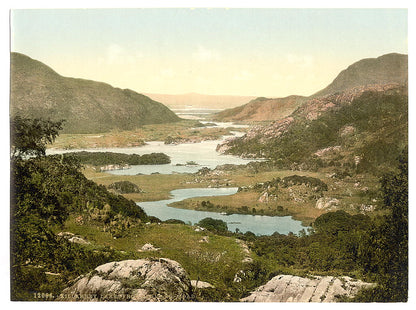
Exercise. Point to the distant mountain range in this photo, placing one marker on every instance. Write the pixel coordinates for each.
(86, 106)
(386, 69)
(198, 101)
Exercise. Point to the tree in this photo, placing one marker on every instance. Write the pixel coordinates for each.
(213, 224)
(30, 136)
(34, 202)
(384, 251)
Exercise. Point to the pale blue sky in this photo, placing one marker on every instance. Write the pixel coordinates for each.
(260, 52)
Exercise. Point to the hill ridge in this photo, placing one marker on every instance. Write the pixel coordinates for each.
(384, 70)
(387, 68)
(87, 106)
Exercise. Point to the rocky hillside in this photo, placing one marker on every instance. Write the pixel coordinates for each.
(87, 106)
(389, 68)
(262, 109)
(364, 74)
(364, 126)
(287, 288)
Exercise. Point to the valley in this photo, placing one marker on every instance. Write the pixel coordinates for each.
(301, 186)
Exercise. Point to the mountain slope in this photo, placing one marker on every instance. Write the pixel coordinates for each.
(364, 130)
(262, 109)
(384, 70)
(389, 68)
(87, 106)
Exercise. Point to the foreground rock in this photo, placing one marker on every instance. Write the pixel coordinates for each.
(132, 280)
(287, 288)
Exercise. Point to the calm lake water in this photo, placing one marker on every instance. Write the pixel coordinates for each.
(204, 155)
(258, 224)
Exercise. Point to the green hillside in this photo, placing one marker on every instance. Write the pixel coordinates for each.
(86, 106)
(366, 134)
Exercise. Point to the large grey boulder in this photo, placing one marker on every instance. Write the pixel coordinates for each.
(132, 280)
(288, 288)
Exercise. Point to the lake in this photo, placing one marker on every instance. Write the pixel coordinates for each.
(258, 224)
(205, 155)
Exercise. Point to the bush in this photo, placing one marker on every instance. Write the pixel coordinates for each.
(174, 221)
(125, 187)
(213, 224)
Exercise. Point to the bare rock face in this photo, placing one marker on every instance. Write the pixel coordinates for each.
(132, 280)
(287, 288)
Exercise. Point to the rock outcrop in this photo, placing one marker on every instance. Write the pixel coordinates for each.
(72, 238)
(132, 280)
(288, 288)
(326, 203)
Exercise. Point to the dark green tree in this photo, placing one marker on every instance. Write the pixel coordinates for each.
(213, 225)
(384, 251)
(30, 136)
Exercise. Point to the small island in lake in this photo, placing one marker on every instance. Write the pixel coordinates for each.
(107, 161)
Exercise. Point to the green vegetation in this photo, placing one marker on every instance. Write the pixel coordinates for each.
(124, 187)
(50, 196)
(44, 192)
(211, 224)
(282, 193)
(30, 136)
(375, 249)
(107, 158)
(379, 132)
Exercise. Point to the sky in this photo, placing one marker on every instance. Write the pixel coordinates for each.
(266, 52)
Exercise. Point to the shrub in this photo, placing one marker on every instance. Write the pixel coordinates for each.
(213, 224)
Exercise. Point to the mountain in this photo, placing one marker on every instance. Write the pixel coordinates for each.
(200, 101)
(262, 109)
(360, 121)
(87, 106)
(384, 70)
(363, 129)
(389, 68)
